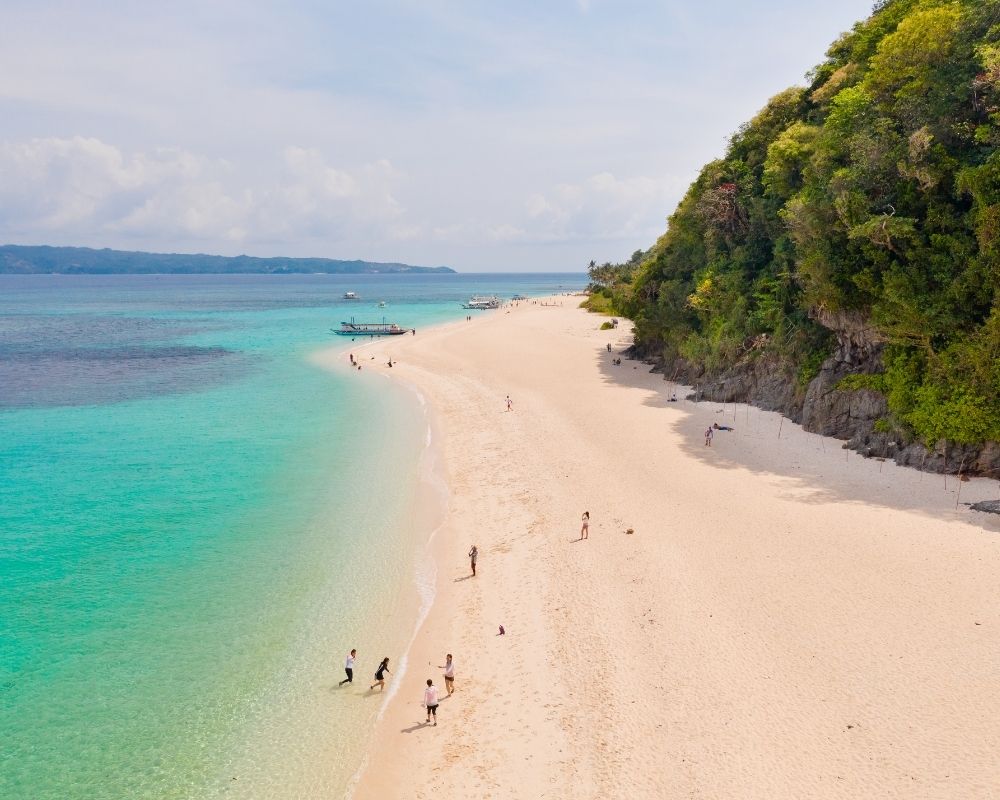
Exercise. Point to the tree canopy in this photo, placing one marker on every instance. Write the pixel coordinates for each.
(873, 191)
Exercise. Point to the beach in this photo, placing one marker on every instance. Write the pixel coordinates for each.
(787, 619)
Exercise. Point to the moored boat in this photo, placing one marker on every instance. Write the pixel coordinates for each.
(351, 296)
(382, 328)
(481, 302)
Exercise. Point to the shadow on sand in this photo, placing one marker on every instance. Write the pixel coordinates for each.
(765, 443)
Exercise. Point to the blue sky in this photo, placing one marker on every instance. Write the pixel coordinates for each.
(509, 136)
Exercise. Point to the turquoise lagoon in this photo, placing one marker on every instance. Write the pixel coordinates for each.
(196, 524)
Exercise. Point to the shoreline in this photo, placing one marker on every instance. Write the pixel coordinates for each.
(523, 751)
(430, 513)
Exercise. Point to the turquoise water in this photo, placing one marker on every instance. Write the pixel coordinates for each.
(196, 523)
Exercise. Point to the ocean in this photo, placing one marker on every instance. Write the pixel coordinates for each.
(197, 523)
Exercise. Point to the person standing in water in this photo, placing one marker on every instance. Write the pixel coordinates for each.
(380, 674)
(449, 675)
(585, 527)
(349, 668)
(473, 555)
(431, 701)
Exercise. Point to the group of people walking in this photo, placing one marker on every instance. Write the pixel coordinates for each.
(430, 693)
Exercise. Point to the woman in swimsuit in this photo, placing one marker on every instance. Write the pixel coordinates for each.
(380, 674)
(449, 675)
(585, 529)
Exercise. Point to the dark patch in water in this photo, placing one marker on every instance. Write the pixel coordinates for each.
(92, 360)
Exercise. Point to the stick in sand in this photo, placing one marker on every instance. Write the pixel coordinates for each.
(958, 494)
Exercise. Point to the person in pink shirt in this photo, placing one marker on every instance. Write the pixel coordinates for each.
(431, 700)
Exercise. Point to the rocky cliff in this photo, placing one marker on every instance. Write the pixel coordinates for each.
(860, 417)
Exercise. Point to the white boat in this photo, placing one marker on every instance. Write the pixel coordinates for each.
(381, 303)
(382, 328)
(481, 302)
(350, 295)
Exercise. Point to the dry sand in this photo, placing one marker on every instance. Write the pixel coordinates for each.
(788, 620)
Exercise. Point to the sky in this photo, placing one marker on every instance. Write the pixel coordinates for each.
(486, 136)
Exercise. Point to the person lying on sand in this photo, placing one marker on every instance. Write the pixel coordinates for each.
(719, 427)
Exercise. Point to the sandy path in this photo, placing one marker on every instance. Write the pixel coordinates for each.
(789, 620)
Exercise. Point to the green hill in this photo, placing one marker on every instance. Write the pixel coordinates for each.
(85, 261)
(841, 262)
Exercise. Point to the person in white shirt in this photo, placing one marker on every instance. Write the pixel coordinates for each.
(431, 700)
(349, 668)
(449, 675)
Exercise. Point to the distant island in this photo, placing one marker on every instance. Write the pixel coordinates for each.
(36, 260)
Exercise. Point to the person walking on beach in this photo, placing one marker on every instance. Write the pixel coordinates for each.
(708, 437)
(473, 555)
(585, 527)
(449, 675)
(349, 668)
(431, 701)
(380, 674)
(510, 406)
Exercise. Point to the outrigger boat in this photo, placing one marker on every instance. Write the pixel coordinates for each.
(383, 328)
(351, 296)
(481, 303)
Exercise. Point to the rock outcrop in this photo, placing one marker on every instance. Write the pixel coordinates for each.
(765, 380)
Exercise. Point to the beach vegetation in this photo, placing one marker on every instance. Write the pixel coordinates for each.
(610, 285)
(598, 303)
(873, 192)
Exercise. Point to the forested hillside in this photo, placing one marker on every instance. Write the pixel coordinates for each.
(840, 262)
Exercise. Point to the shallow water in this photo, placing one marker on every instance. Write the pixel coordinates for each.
(196, 523)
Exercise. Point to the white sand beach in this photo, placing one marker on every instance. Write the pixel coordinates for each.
(788, 620)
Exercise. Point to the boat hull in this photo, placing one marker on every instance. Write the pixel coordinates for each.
(399, 332)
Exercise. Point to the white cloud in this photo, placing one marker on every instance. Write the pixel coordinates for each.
(79, 189)
(602, 207)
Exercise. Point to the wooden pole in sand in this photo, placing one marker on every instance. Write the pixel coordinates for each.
(779, 426)
(958, 494)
